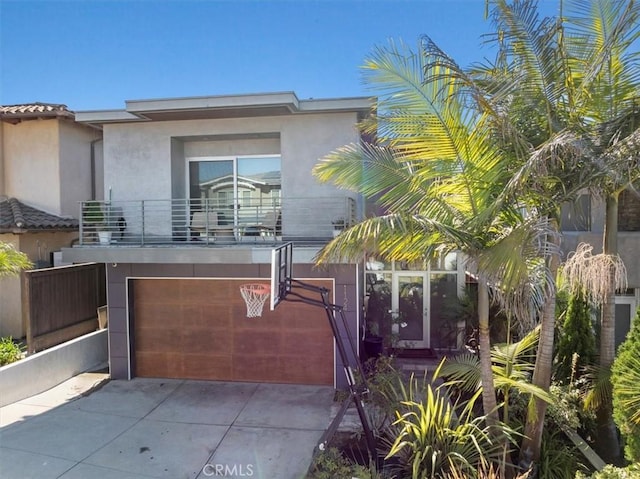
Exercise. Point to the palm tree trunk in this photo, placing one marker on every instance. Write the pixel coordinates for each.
(489, 402)
(607, 444)
(530, 449)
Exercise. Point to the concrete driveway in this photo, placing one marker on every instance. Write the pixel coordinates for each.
(158, 428)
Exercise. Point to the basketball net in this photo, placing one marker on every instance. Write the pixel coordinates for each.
(255, 295)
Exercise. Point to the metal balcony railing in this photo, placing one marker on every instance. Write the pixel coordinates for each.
(202, 222)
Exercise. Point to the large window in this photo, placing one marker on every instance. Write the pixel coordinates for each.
(576, 216)
(242, 189)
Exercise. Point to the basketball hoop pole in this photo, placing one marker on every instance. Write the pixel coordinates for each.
(355, 393)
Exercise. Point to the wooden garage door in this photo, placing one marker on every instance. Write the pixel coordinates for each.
(198, 329)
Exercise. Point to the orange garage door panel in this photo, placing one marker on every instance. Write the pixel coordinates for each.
(198, 329)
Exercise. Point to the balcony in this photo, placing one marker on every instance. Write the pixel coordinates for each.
(207, 223)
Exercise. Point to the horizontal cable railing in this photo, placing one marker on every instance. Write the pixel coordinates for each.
(209, 222)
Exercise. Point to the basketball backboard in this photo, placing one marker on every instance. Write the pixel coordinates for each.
(281, 262)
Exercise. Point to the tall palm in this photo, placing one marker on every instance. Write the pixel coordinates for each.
(438, 172)
(571, 88)
(608, 109)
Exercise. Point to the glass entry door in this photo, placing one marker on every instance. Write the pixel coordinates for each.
(410, 315)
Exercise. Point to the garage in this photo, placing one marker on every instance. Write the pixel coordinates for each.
(196, 328)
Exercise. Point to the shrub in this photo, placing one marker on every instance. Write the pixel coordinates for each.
(10, 352)
(576, 338)
(330, 464)
(612, 472)
(625, 378)
(432, 438)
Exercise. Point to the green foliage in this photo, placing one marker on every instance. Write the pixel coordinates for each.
(559, 458)
(10, 352)
(512, 368)
(625, 377)
(433, 438)
(330, 464)
(92, 212)
(577, 344)
(612, 472)
(12, 261)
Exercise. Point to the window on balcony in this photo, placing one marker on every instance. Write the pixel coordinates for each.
(576, 216)
(241, 189)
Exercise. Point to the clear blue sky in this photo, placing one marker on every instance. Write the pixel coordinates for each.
(96, 54)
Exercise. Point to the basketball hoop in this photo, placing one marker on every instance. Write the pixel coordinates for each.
(255, 295)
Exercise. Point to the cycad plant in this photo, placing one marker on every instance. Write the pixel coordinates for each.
(512, 366)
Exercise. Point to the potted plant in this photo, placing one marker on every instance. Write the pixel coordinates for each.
(95, 221)
(373, 342)
(338, 225)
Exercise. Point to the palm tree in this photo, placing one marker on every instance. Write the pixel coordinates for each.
(580, 78)
(438, 172)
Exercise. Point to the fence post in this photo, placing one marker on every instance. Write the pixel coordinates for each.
(142, 218)
(26, 310)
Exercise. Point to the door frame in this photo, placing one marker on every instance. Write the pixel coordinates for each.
(399, 269)
(425, 342)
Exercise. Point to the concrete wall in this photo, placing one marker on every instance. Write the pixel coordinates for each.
(42, 371)
(346, 280)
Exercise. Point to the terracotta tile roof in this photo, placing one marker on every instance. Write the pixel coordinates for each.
(15, 215)
(34, 110)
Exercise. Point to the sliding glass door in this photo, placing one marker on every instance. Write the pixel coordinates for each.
(242, 190)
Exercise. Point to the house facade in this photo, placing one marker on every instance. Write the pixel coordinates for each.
(584, 222)
(197, 193)
(48, 165)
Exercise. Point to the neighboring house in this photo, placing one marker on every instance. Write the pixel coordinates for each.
(583, 222)
(201, 190)
(47, 165)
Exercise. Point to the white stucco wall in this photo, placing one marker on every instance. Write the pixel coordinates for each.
(47, 164)
(33, 146)
(75, 166)
(2, 187)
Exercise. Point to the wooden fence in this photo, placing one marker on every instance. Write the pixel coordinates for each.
(61, 303)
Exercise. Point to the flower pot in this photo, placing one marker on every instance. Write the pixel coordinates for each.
(104, 237)
(373, 346)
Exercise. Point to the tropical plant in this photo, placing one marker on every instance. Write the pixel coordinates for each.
(433, 438)
(12, 261)
(438, 173)
(512, 368)
(10, 351)
(625, 376)
(578, 72)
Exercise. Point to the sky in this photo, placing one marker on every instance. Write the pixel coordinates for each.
(95, 55)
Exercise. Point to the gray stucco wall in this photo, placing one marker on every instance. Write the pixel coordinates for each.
(136, 152)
